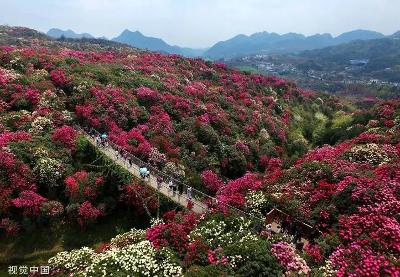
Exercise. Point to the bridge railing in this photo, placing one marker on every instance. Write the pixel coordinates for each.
(196, 197)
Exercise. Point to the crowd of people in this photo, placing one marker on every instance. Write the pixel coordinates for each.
(144, 171)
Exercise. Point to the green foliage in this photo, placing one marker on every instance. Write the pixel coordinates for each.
(328, 244)
(206, 271)
(258, 262)
(235, 163)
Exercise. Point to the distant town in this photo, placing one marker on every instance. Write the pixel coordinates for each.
(324, 78)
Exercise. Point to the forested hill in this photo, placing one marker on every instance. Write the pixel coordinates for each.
(383, 56)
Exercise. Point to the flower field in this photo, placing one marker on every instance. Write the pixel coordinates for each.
(252, 142)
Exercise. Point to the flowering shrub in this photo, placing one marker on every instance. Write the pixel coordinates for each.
(30, 202)
(234, 192)
(87, 213)
(256, 202)
(74, 261)
(67, 136)
(41, 125)
(132, 237)
(357, 260)
(173, 234)
(156, 158)
(147, 95)
(211, 181)
(174, 169)
(314, 252)
(52, 208)
(58, 77)
(139, 259)
(287, 257)
(49, 171)
(7, 76)
(370, 153)
(141, 197)
(222, 233)
(83, 185)
(7, 137)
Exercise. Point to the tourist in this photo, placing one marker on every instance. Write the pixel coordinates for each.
(143, 172)
(189, 192)
(269, 229)
(180, 188)
(159, 182)
(173, 190)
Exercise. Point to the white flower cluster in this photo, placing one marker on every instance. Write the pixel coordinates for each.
(49, 171)
(74, 261)
(234, 260)
(81, 87)
(40, 152)
(327, 270)
(256, 201)
(39, 75)
(155, 221)
(67, 116)
(218, 233)
(139, 259)
(176, 170)
(320, 116)
(50, 99)
(264, 134)
(40, 125)
(125, 239)
(371, 153)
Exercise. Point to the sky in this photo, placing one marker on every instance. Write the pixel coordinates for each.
(202, 23)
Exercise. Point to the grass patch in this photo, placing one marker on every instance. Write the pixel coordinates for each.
(36, 247)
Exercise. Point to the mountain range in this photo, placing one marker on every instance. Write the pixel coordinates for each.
(267, 43)
(58, 33)
(258, 43)
(139, 40)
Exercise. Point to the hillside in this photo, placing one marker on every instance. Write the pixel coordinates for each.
(369, 68)
(267, 43)
(383, 57)
(254, 143)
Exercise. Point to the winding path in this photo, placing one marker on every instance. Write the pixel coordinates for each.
(182, 199)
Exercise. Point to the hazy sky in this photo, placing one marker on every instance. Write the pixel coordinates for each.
(201, 23)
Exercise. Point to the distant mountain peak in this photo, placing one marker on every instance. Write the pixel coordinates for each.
(58, 33)
(396, 35)
(139, 40)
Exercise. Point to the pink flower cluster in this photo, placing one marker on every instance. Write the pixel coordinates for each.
(83, 185)
(59, 78)
(234, 192)
(87, 213)
(211, 181)
(357, 260)
(174, 233)
(287, 257)
(30, 202)
(66, 135)
(7, 137)
(215, 258)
